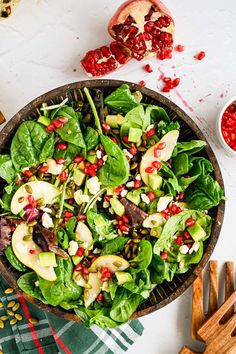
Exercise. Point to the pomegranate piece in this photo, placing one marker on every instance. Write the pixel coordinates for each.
(200, 55)
(104, 60)
(144, 27)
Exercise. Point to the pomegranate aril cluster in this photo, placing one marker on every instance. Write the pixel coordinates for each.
(170, 84)
(228, 126)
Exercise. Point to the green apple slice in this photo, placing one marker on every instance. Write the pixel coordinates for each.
(170, 139)
(27, 251)
(110, 261)
(38, 189)
(84, 235)
(93, 288)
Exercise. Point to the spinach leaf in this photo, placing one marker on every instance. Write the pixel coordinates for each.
(68, 154)
(102, 227)
(204, 194)
(7, 170)
(144, 257)
(121, 100)
(190, 147)
(112, 287)
(161, 270)
(114, 246)
(124, 305)
(70, 227)
(164, 127)
(91, 138)
(116, 169)
(27, 283)
(62, 238)
(141, 284)
(71, 132)
(180, 164)
(199, 166)
(170, 181)
(103, 319)
(13, 260)
(158, 114)
(136, 118)
(31, 145)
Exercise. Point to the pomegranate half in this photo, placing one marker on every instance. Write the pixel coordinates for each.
(145, 27)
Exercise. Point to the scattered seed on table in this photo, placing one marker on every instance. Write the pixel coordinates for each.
(9, 291)
(1, 324)
(18, 317)
(1, 305)
(10, 313)
(11, 304)
(16, 307)
(33, 320)
(3, 318)
(13, 321)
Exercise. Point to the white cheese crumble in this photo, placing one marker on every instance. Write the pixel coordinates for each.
(105, 204)
(105, 157)
(47, 210)
(53, 167)
(145, 198)
(127, 154)
(184, 249)
(81, 198)
(36, 283)
(111, 211)
(81, 282)
(123, 193)
(93, 185)
(130, 184)
(195, 247)
(47, 221)
(151, 126)
(73, 248)
(97, 251)
(138, 177)
(99, 154)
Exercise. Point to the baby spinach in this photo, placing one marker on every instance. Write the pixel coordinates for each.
(68, 154)
(144, 257)
(136, 118)
(116, 169)
(180, 164)
(103, 319)
(91, 138)
(27, 282)
(101, 226)
(190, 147)
(13, 260)
(121, 100)
(114, 246)
(163, 127)
(31, 145)
(141, 283)
(70, 227)
(62, 238)
(71, 131)
(162, 270)
(124, 305)
(7, 170)
(170, 181)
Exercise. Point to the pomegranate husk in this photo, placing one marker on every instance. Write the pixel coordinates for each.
(105, 59)
(142, 30)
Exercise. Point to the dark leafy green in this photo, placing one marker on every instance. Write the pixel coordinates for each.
(141, 283)
(62, 238)
(68, 154)
(114, 246)
(124, 305)
(101, 225)
(70, 227)
(162, 270)
(190, 147)
(163, 127)
(144, 257)
(7, 170)
(13, 260)
(91, 138)
(121, 100)
(28, 283)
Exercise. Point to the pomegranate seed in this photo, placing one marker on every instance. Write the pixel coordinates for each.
(124, 228)
(120, 222)
(181, 195)
(179, 48)
(148, 68)
(151, 196)
(150, 169)
(62, 146)
(126, 219)
(166, 80)
(85, 271)
(166, 89)
(137, 184)
(78, 159)
(31, 199)
(63, 120)
(63, 176)
(103, 278)
(150, 133)
(68, 214)
(100, 297)
(44, 169)
(51, 128)
(87, 164)
(119, 189)
(173, 208)
(114, 140)
(176, 82)
(71, 201)
(79, 267)
(58, 124)
(157, 153)
(118, 218)
(179, 240)
(100, 162)
(200, 55)
(32, 251)
(81, 217)
(60, 161)
(133, 150)
(178, 210)
(186, 235)
(94, 259)
(28, 173)
(142, 83)
(125, 139)
(12, 228)
(157, 165)
(104, 270)
(19, 181)
(80, 252)
(190, 222)
(106, 127)
(161, 146)
(164, 256)
(66, 219)
(108, 275)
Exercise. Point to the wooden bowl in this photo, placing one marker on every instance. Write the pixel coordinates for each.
(166, 292)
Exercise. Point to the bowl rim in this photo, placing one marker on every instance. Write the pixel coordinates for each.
(229, 150)
(61, 92)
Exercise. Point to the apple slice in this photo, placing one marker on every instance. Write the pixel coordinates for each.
(38, 189)
(93, 288)
(170, 140)
(83, 234)
(110, 261)
(27, 251)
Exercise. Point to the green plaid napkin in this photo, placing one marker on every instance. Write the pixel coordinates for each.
(52, 335)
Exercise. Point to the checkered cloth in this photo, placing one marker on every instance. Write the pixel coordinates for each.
(52, 335)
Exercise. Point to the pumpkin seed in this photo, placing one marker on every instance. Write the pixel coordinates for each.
(129, 254)
(13, 321)
(9, 291)
(134, 165)
(126, 249)
(88, 286)
(139, 143)
(10, 313)
(152, 142)
(71, 167)
(30, 229)
(87, 118)
(136, 240)
(141, 149)
(18, 317)
(92, 270)
(120, 232)
(33, 320)
(80, 104)
(92, 152)
(16, 307)
(4, 318)
(78, 276)
(116, 264)
(86, 295)
(40, 202)
(129, 242)
(133, 264)
(135, 249)
(1, 324)
(116, 131)
(69, 192)
(188, 241)
(142, 205)
(27, 237)
(1, 305)
(134, 234)
(32, 223)
(144, 232)
(21, 199)
(28, 189)
(86, 253)
(11, 304)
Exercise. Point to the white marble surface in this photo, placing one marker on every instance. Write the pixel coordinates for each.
(43, 42)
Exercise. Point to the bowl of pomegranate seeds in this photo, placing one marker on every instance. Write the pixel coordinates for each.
(226, 126)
